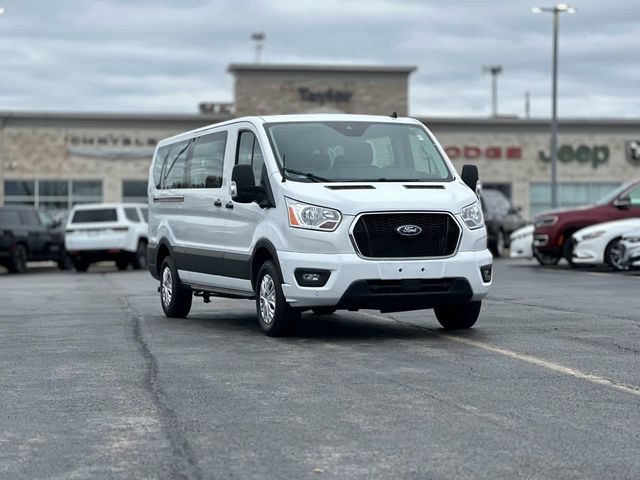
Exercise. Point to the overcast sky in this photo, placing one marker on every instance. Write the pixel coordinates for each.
(168, 55)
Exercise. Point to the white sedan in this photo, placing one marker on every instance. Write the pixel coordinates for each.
(521, 242)
(599, 244)
(630, 246)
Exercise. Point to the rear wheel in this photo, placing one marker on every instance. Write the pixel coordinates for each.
(140, 257)
(498, 248)
(122, 263)
(64, 262)
(275, 316)
(18, 262)
(457, 317)
(175, 299)
(613, 255)
(80, 265)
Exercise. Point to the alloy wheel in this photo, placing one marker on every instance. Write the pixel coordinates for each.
(267, 299)
(616, 253)
(167, 286)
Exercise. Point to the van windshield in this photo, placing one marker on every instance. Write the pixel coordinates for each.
(356, 152)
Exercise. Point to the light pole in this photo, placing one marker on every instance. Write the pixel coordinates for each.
(494, 70)
(259, 38)
(557, 10)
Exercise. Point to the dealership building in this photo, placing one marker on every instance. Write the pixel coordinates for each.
(55, 160)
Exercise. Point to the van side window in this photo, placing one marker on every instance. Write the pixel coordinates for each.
(249, 153)
(207, 161)
(161, 156)
(175, 166)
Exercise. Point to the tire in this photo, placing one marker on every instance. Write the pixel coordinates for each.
(324, 310)
(18, 261)
(545, 259)
(458, 317)
(80, 265)
(275, 316)
(139, 260)
(122, 264)
(567, 252)
(174, 298)
(64, 262)
(498, 248)
(613, 255)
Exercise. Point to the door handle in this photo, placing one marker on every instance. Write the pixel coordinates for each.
(168, 198)
(229, 205)
(217, 203)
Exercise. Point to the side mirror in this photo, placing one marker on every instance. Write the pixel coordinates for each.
(470, 177)
(622, 203)
(245, 182)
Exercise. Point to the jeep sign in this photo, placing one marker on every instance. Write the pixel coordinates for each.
(594, 156)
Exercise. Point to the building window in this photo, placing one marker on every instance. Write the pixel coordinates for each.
(52, 194)
(134, 191)
(569, 195)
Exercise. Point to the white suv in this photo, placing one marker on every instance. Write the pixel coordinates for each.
(317, 212)
(107, 231)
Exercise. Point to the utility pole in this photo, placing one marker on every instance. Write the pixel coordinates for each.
(258, 38)
(494, 70)
(527, 105)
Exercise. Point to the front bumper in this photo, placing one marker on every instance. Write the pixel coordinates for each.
(631, 255)
(351, 276)
(588, 252)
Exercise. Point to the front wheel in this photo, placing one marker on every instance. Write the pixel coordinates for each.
(275, 316)
(175, 299)
(613, 255)
(458, 317)
(546, 259)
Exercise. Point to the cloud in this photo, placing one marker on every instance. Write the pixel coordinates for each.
(168, 55)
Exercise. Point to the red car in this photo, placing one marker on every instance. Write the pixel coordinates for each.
(553, 229)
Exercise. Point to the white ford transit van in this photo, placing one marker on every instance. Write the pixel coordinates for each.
(316, 212)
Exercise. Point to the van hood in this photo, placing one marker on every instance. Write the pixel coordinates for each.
(353, 198)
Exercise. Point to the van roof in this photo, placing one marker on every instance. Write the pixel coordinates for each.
(311, 117)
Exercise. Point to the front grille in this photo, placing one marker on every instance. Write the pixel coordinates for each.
(376, 235)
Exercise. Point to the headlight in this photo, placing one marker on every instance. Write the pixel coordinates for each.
(312, 217)
(545, 221)
(472, 216)
(591, 236)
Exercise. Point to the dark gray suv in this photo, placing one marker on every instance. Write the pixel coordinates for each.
(27, 233)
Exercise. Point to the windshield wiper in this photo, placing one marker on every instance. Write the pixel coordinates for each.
(310, 176)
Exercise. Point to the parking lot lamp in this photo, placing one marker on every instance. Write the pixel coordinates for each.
(557, 10)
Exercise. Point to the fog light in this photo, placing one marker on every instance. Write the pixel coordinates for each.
(486, 272)
(311, 277)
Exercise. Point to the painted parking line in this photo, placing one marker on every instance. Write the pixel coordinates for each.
(540, 362)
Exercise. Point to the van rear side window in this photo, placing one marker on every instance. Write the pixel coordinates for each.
(96, 215)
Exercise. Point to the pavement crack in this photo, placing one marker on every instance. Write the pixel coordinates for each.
(184, 464)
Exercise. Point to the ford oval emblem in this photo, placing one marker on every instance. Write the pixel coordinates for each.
(409, 230)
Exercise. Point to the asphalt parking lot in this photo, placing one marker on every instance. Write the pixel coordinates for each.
(96, 383)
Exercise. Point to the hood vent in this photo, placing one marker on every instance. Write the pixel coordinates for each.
(424, 187)
(350, 187)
